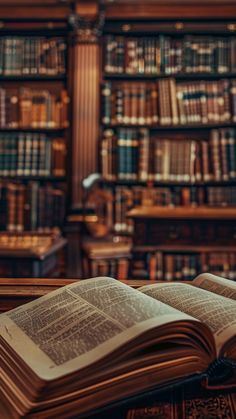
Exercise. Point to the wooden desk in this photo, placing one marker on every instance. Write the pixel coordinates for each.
(30, 254)
(15, 292)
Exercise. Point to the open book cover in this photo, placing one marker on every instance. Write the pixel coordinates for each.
(98, 341)
(210, 406)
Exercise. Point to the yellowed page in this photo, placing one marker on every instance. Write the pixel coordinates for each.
(217, 312)
(79, 324)
(216, 284)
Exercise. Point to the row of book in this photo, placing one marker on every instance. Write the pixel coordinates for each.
(127, 197)
(35, 108)
(131, 154)
(168, 102)
(31, 206)
(31, 154)
(166, 266)
(167, 55)
(169, 267)
(115, 268)
(34, 55)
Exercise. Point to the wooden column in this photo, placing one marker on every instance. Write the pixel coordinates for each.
(85, 116)
(85, 98)
(86, 23)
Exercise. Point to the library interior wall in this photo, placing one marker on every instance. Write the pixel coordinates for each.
(85, 73)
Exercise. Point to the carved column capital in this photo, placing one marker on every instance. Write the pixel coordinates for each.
(87, 29)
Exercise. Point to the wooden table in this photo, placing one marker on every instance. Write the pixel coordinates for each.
(15, 292)
(30, 255)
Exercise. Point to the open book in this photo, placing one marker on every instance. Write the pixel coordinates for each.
(98, 341)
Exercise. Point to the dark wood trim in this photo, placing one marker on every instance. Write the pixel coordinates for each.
(88, 8)
(14, 293)
(170, 10)
(156, 212)
(185, 248)
(31, 253)
(73, 231)
(34, 11)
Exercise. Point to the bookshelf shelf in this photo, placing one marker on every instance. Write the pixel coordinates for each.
(24, 78)
(34, 132)
(173, 127)
(180, 212)
(188, 248)
(36, 178)
(195, 25)
(182, 76)
(162, 183)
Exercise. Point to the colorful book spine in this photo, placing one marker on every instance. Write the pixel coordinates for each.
(23, 56)
(162, 54)
(31, 207)
(29, 108)
(31, 154)
(167, 266)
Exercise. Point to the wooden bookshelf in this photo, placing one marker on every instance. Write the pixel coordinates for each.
(83, 80)
(150, 138)
(30, 254)
(34, 130)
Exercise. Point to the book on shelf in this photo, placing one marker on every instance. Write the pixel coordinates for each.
(126, 197)
(31, 154)
(118, 268)
(163, 54)
(32, 56)
(25, 107)
(31, 242)
(182, 264)
(169, 102)
(99, 341)
(31, 206)
(137, 155)
(106, 258)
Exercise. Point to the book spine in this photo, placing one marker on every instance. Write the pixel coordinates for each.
(144, 149)
(215, 153)
(223, 154)
(230, 151)
(121, 153)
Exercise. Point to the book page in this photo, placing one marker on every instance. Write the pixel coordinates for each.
(78, 324)
(217, 312)
(216, 284)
